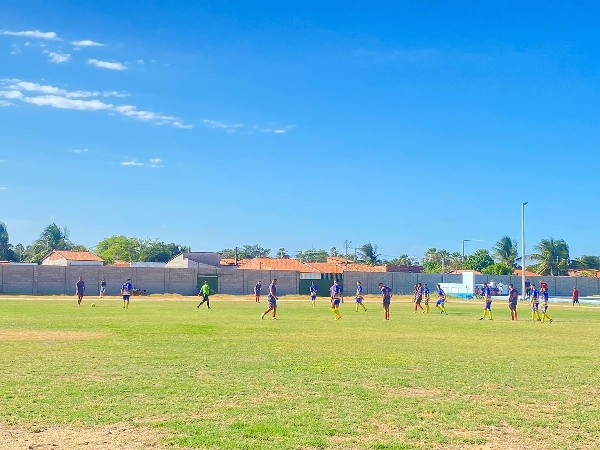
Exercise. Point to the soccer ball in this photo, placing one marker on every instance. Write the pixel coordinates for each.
(93, 305)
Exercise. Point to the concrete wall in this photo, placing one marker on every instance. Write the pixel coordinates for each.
(16, 279)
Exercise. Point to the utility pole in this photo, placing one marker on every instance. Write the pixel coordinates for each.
(347, 243)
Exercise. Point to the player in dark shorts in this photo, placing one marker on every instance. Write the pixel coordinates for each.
(441, 301)
(426, 298)
(487, 296)
(272, 297)
(336, 298)
(257, 289)
(102, 288)
(513, 298)
(418, 297)
(359, 297)
(79, 290)
(126, 289)
(313, 292)
(535, 303)
(386, 295)
(545, 306)
(576, 296)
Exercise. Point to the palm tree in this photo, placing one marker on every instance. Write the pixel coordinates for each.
(6, 252)
(52, 238)
(505, 251)
(552, 257)
(368, 254)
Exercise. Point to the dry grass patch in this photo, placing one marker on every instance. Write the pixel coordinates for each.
(50, 335)
(117, 436)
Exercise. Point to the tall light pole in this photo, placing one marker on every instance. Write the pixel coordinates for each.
(463, 248)
(523, 248)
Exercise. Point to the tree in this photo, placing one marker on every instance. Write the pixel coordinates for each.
(333, 252)
(498, 269)
(586, 262)
(6, 251)
(478, 260)
(282, 253)
(118, 248)
(52, 238)
(312, 255)
(438, 261)
(403, 260)
(20, 252)
(246, 252)
(367, 253)
(153, 250)
(505, 251)
(551, 257)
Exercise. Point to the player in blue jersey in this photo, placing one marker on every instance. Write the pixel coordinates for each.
(545, 306)
(313, 289)
(487, 296)
(426, 298)
(359, 297)
(336, 298)
(418, 297)
(257, 290)
(126, 289)
(535, 302)
(441, 301)
(79, 290)
(272, 297)
(386, 294)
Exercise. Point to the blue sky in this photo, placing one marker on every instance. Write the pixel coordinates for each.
(301, 124)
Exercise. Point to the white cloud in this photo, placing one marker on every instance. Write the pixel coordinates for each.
(133, 163)
(46, 95)
(79, 150)
(216, 124)
(37, 34)
(58, 58)
(141, 62)
(87, 43)
(3, 188)
(5, 103)
(107, 64)
(279, 131)
(15, 49)
(156, 163)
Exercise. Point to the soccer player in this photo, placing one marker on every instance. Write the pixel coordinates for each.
(386, 294)
(79, 290)
(418, 297)
(576, 296)
(487, 296)
(205, 293)
(513, 298)
(313, 289)
(535, 303)
(336, 297)
(126, 289)
(272, 297)
(441, 301)
(359, 297)
(426, 297)
(545, 306)
(102, 288)
(257, 289)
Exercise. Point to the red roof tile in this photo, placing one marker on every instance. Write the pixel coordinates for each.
(74, 256)
(326, 267)
(518, 272)
(276, 264)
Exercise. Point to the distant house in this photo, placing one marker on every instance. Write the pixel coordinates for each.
(195, 260)
(518, 272)
(69, 258)
(276, 264)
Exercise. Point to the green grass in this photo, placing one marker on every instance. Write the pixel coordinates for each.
(223, 378)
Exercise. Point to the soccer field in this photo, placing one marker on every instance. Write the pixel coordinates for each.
(164, 374)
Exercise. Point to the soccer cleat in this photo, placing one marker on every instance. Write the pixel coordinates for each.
(274, 318)
(481, 318)
(262, 316)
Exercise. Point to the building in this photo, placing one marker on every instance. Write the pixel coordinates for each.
(195, 260)
(69, 258)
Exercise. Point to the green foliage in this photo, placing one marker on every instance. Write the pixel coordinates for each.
(438, 261)
(6, 251)
(123, 248)
(505, 251)
(367, 253)
(478, 260)
(498, 269)
(402, 260)
(334, 252)
(312, 255)
(551, 257)
(586, 262)
(282, 253)
(246, 252)
(52, 238)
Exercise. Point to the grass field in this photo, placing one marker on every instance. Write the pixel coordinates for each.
(164, 374)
